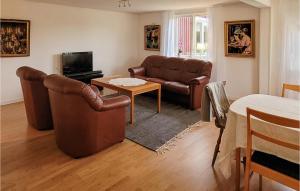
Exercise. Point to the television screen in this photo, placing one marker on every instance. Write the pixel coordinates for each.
(77, 62)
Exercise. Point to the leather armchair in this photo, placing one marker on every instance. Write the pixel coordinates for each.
(36, 98)
(84, 122)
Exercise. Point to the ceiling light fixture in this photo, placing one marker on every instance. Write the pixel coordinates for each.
(124, 3)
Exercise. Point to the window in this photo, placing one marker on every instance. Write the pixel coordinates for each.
(191, 36)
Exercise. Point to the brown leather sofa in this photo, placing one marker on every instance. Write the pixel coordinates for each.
(84, 122)
(182, 80)
(36, 98)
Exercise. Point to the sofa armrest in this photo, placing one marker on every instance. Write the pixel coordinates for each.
(137, 71)
(196, 86)
(115, 102)
(199, 80)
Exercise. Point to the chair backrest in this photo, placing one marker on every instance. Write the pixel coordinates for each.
(277, 120)
(36, 98)
(289, 87)
(219, 102)
(261, 168)
(63, 89)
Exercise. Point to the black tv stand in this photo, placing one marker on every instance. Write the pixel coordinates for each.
(85, 76)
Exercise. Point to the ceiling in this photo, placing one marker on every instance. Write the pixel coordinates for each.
(139, 6)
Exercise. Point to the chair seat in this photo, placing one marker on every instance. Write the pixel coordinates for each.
(275, 163)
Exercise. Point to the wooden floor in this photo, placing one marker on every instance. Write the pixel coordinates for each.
(30, 160)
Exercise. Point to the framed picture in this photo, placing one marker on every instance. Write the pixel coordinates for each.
(239, 38)
(15, 38)
(152, 37)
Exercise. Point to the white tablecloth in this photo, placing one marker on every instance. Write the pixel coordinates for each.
(236, 128)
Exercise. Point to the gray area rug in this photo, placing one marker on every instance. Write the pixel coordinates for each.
(152, 130)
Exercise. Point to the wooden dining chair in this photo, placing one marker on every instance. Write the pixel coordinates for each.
(270, 166)
(289, 87)
(220, 105)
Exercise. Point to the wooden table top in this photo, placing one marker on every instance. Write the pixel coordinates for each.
(149, 86)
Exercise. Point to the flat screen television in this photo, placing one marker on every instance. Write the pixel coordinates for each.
(77, 62)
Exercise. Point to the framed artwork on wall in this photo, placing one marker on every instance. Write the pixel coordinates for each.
(239, 38)
(152, 37)
(15, 38)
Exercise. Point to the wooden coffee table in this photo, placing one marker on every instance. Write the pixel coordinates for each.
(130, 91)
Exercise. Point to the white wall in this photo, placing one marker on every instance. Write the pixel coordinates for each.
(55, 29)
(117, 40)
(241, 74)
(149, 19)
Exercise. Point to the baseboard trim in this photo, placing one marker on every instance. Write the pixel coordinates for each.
(11, 101)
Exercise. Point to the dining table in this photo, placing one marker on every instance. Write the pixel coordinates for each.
(234, 140)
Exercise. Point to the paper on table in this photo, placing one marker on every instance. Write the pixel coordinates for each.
(127, 82)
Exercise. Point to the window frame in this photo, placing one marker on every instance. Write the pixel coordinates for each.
(193, 43)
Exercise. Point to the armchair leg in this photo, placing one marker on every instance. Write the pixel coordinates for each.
(217, 147)
(260, 182)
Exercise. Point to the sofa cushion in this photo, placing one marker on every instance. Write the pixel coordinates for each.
(172, 69)
(156, 80)
(177, 87)
(153, 66)
(194, 68)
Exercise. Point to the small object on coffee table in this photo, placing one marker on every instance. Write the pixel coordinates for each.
(127, 82)
(131, 91)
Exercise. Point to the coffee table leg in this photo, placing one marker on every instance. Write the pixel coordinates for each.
(132, 109)
(158, 99)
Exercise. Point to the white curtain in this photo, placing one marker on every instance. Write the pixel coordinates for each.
(169, 34)
(212, 46)
(285, 42)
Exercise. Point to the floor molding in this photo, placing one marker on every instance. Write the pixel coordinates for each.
(11, 101)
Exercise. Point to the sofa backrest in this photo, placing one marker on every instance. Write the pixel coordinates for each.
(176, 69)
(153, 66)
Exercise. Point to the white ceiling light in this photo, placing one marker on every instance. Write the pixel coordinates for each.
(124, 3)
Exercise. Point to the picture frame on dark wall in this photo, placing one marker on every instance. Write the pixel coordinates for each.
(152, 37)
(239, 38)
(15, 38)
